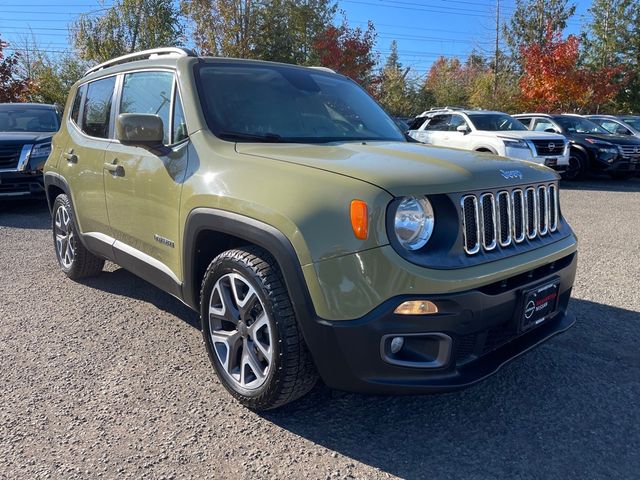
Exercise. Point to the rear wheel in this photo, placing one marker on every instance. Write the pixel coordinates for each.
(74, 260)
(250, 330)
(577, 168)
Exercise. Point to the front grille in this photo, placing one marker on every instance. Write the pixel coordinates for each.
(508, 217)
(9, 155)
(632, 152)
(547, 148)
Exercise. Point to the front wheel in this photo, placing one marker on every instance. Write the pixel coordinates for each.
(577, 168)
(74, 260)
(250, 330)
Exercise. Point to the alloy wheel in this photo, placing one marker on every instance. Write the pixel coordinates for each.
(240, 331)
(64, 237)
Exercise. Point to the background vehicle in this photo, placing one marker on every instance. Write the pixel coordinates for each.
(618, 125)
(25, 143)
(493, 132)
(592, 147)
(285, 206)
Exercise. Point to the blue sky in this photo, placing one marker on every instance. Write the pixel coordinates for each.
(424, 29)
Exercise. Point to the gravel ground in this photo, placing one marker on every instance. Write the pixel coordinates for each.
(109, 378)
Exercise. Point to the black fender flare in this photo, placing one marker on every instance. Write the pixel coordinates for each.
(252, 231)
(57, 180)
(587, 154)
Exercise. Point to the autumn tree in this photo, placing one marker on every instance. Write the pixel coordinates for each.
(348, 51)
(445, 81)
(553, 80)
(529, 23)
(12, 88)
(127, 26)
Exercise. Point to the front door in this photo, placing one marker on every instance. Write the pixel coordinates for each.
(143, 192)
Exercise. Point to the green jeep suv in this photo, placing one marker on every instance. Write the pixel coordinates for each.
(315, 240)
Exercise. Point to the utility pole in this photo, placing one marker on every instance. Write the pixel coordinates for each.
(495, 64)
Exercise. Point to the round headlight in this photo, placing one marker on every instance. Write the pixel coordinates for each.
(414, 222)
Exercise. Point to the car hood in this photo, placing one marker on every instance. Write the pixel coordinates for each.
(528, 135)
(25, 137)
(407, 168)
(615, 139)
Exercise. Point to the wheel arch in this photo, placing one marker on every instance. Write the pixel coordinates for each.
(208, 232)
(54, 185)
(485, 149)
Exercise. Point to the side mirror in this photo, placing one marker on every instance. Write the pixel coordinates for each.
(462, 129)
(140, 130)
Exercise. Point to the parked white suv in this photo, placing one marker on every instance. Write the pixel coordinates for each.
(493, 132)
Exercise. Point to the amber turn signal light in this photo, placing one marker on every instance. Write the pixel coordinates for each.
(360, 219)
(416, 307)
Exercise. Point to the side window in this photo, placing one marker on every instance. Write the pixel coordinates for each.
(456, 121)
(97, 108)
(416, 123)
(179, 132)
(526, 122)
(608, 125)
(439, 123)
(75, 109)
(148, 92)
(543, 124)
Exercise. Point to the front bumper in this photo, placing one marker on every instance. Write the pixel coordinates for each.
(21, 183)
(482, 325)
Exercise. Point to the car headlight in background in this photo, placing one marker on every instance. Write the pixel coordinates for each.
(414, 222)
(41, 150)
(515, 143)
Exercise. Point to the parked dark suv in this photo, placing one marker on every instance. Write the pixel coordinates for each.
(592, 147)
(25, 143)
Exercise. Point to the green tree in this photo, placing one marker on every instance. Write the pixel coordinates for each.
(52, 78)
(125, 27)
(394, 90)
(610, 39)
(531, 19)
(445, 81)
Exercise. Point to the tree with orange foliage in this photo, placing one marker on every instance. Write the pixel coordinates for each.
(554, 82)
(12, 89)
(348, 51)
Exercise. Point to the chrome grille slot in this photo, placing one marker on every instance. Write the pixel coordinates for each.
(498, 220)
(517, 197)
(471, 224)
(532, 212)
(504, 218)
(488, 227)
(553, 208)
(543, 210)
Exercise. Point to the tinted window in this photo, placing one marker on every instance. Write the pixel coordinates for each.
(24, 118)
(179, 124)
(97, 108)
(613, 127)
(150, 93)
(77, 102)
(495, 122)
(579, 125)
(525, 121)
(634, 122)
(439, 123)
(456, 121)
(416, 123)
(278, 103)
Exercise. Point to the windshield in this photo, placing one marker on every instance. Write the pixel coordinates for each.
(580, 125)
(495, 122)
(633, 121)
(17, 118)
(277, 103)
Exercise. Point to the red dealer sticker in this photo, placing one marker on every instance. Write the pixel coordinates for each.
(539, 304)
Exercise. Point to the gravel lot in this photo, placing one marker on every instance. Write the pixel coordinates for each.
(109, 378)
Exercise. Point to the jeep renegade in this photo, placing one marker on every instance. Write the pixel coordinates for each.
(315, 241)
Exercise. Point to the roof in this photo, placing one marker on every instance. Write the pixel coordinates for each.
(435, 111)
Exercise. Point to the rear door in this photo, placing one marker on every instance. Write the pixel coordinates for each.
(436, 131)
(90, 128)
(143, 194)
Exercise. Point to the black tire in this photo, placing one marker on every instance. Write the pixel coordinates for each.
(291, 373)
(83, 263)
(578, 166)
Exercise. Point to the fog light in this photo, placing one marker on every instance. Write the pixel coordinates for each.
(416, 307)
(396, 344)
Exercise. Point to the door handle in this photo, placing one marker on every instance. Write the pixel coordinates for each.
(70, 156)
(115, 169)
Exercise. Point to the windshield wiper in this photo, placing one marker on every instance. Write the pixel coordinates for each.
(260, 137)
